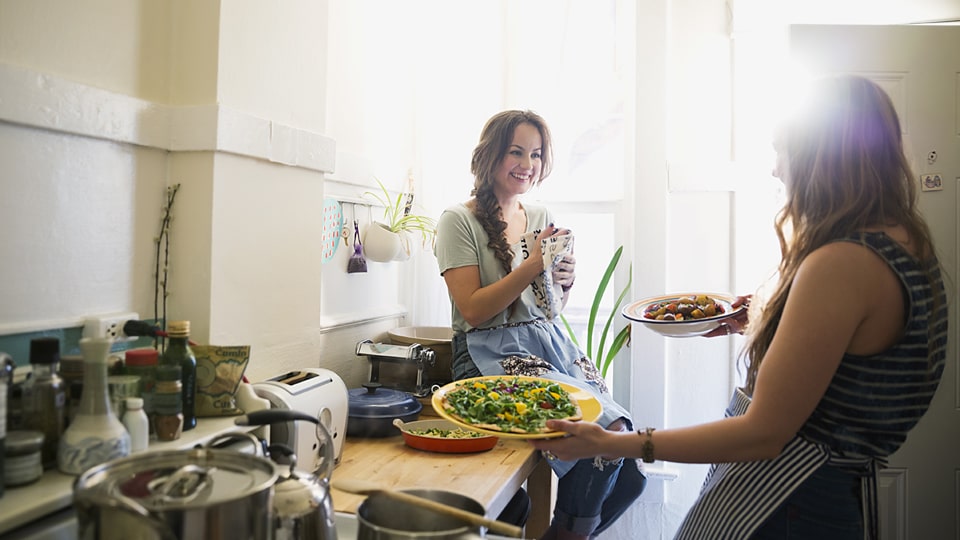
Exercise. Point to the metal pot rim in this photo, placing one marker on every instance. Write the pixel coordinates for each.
(380, 402)
(232, 476)
(466, 530)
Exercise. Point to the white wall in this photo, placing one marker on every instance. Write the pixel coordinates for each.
(103, 104)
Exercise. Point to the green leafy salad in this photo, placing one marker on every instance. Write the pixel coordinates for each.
(511, 404)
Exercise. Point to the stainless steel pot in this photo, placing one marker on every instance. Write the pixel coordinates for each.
(199, 494)
(384, 518)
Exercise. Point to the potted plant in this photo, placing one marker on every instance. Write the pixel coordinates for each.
(390, 240)
(603, 356)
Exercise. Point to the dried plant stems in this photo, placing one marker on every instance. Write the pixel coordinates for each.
(160, 275)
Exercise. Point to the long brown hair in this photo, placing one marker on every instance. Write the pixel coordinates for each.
(495, 139)
(847, 172)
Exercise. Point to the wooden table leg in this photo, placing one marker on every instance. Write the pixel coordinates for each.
(540, 490)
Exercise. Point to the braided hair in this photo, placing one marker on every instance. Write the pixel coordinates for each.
(495, 139)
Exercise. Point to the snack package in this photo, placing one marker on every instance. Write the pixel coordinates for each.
(219, 373)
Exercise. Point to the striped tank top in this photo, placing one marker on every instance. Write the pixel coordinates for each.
(863, 417)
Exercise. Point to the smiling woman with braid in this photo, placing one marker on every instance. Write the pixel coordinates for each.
(505, 303)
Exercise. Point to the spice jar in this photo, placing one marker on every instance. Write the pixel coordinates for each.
(120, 387)
(23, 463)
(168, 403)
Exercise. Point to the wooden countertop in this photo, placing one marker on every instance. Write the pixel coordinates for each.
(491, 477)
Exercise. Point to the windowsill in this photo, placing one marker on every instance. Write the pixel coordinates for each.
(658, 471)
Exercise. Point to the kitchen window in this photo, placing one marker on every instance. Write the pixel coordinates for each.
(412, 97)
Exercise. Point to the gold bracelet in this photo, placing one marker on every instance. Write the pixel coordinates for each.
(646, 451)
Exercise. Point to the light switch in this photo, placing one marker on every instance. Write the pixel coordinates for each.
(931, 182)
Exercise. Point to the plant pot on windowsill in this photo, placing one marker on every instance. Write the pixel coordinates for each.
(380, 244)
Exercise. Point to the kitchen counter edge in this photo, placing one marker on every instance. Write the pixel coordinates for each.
(20, 505)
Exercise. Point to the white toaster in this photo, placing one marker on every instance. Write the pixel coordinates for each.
(318, 392)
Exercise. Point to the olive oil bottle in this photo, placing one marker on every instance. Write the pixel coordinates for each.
(178, 353)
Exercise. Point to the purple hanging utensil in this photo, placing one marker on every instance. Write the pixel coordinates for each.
(356, 263)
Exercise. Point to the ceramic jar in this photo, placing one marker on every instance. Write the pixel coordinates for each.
(95, 435)
(380, 244)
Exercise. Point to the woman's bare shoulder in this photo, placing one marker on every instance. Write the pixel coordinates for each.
(845, 268)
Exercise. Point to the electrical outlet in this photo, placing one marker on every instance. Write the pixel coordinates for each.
(109, 326)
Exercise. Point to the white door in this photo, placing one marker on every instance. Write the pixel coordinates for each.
(919, 66)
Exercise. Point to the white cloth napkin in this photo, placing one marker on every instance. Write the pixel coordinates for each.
(549, 296)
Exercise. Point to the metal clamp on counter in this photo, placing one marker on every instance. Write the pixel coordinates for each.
(422, 357)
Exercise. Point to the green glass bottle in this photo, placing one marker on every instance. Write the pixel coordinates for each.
(178, 353)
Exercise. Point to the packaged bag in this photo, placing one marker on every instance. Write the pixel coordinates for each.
(219, 373)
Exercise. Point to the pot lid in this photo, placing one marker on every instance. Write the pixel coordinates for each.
(171, 480)
(23, 442)
(375, 401)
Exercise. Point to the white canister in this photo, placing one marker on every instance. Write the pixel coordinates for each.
(137, 424)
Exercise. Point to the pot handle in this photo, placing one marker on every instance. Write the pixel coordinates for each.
(285, 451)
(271, 416)
(258, 445)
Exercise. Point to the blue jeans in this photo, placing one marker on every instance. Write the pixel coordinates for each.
(827, 506)
(588, 499)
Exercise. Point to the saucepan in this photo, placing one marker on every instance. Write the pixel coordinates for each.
(374, 407)
(198, 494)
(382, 517)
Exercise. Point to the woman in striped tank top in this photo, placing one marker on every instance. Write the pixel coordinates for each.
(842, 360)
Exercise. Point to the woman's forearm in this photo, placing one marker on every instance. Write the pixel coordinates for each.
(486, 302)
(728, 440)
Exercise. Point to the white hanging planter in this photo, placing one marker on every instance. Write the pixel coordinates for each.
(380, 244)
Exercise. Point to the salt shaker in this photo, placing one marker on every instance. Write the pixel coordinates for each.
(137, 424)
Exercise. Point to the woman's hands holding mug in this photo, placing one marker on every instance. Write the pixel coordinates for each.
(564, 272)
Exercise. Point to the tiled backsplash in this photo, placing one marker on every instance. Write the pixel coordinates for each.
(18, 345)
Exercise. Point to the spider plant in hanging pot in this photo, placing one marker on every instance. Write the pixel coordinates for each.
(392, 239)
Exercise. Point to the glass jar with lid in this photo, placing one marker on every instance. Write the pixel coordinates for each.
(23, 463)
(168, 403)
